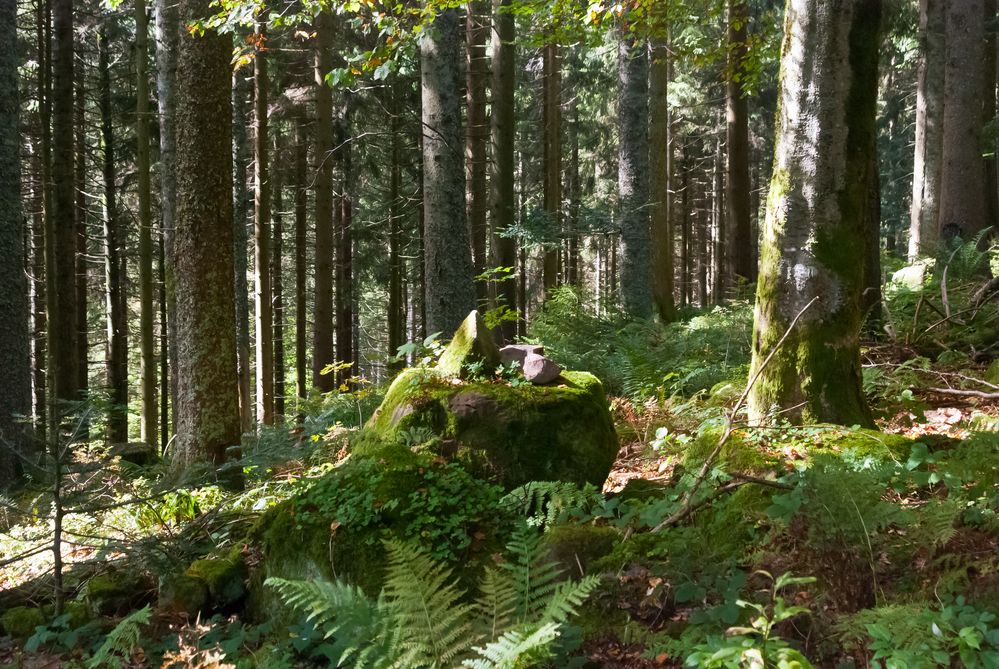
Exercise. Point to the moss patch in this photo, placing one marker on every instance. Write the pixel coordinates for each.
(224, 576)
(20, 622)
(577, 547)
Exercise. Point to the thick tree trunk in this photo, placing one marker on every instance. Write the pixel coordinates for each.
(633, 174)
(963, 200)
(502, 176)
(263, 318)
(241, 207)
(167, 33)
(147, 308)
(477, 137)
(115, 316)
(208, 398)
(15, 354)
(323, 354)
(737, 196)
(928, 164)
(450, 290)
(61, 237)
(660, 166)
(552, 159)
(301, 259)
(812, 269)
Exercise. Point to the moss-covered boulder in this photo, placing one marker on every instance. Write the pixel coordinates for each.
(508, 433)
(20, 621)
(472, 348)
(117, 591)
(224, 576)
(576, 547)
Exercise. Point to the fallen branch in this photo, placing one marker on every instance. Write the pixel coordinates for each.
(964, 393)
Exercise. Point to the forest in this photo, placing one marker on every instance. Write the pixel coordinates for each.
(501, 334)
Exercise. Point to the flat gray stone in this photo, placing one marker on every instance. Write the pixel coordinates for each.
(517, 352)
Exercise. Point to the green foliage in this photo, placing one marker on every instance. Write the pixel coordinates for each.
(645, 358)
(422, 619)
(121, 642)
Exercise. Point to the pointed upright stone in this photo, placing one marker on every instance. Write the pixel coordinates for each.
(472, 343)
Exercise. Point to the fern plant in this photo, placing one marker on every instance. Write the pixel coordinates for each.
(121, 642)
(423, 618)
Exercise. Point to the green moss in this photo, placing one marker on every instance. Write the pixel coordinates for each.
(861, 442)
(20, 622)
(498, 432)
(738, 454)
(577, 547)
(115, 591)
(181, 593)
(471, 345)
(642, 490)
(992, 373)
(224, 576)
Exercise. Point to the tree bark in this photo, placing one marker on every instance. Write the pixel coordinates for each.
(924, 232)
(82, 328)
(263, 318)
(552, 160)
(301, 258)
(43, 224)
(812, 265)
(396, 317)
(738, 187)
(344, 302)
(241, 206)
(450, 290)
(147, 309)
(633, 174)
(477, 137)
(277, 281)
(115, 316)
(503, 166)
(660, 167)
(208, 398)
(15, 354)
(323, 354)
(963, 200)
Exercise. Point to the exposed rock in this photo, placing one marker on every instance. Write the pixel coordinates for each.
(539, 370)
(471, 345)
(117, 592)
(517, 353)
(137, 453)
(499, 432)
(225, 577)
(181, 593)
(913, 277)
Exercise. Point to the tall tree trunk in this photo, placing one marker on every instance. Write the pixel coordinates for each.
(396, 318)
(720, 250)
(166, 370)
(928, 164)
(15, 354)
(301, 258)
(167, 33)
(147, 308)
(633, 174)
(503, 164)
(870, 303)
(737, 197)
(685, 201)
(263, 318)
(61, 240)
(477, 136)
(573, 274)
(240, 211)
(344, 302)
(277, 283)
(989, 111)
(42, 373)
(82, 341)
(660, 167)
(116, 318)
(811, 271)
(450, 290)
(208, 398)
(323, 354)
(552, 158)
(963, 200)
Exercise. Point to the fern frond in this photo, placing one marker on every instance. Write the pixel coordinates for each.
(567, 599)
(543, 503)
(516, 649)
(534, 576)
(426, 603)
(497, 603)
(122, 641)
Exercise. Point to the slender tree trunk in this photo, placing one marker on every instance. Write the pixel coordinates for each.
(477, 137)
(812, 272)
(870, 303)
(166, 371)
(15, 354)
(701, 235)
(928, 165)
(241, 206)
(167, 33)
(552, 158)
(633, 174)
(685, 273)
(573, 275)
(502, 176)
(116, 318)
(963, 200)
(42, 373)
(449, 289)
(263, 318)
(344, 302)
(277, 283)
(660, 167)
(301, 258)
(740, 226)
(208, 398)
(81, 271)
(147, 308)
(720, 256)
(989, 111)
(324, 353)
(61, 239)
(396, 319)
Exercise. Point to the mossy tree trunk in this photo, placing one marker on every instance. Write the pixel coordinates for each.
(208, 399)
(450, 290)
(815, 236)
(15, 357)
